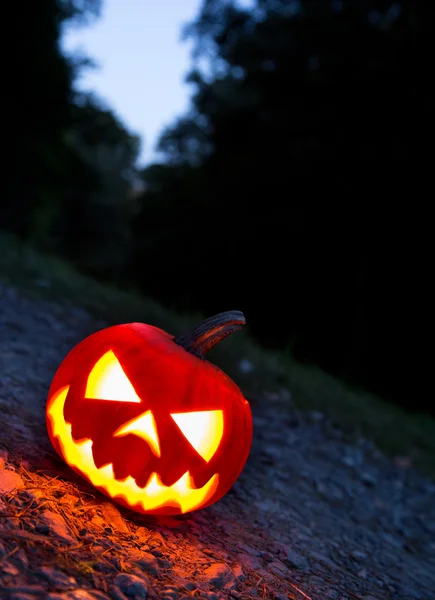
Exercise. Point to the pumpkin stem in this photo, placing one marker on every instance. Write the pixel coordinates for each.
(210, 332)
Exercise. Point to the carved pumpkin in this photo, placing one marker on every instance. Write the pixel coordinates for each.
(147, 420)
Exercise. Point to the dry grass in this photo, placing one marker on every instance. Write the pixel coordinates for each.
(102, 540)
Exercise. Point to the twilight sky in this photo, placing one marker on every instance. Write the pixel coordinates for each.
(141, 63)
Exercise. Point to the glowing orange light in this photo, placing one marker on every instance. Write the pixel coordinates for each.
(154, 495)
(203, 429)
(132, 401)
(107, 381)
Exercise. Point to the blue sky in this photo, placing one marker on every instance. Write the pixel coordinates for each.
(141, 62)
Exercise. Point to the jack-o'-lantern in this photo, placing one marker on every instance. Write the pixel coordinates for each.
(147, 420)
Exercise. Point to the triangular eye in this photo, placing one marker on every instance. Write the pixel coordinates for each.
(203, 429)
(107, 381)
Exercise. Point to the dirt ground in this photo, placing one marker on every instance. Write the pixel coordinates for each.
(314, 515)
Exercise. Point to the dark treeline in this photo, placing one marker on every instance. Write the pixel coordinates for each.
(289, 190)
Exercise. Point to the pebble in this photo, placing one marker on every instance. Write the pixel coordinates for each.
(277, 567)
(169, 592)
(296, 560)
(249, 550)
(58, 579)
(9, 481)
(249, 562)
(148, 562)
(131, 586)
(220, 576)
(358, 555)
(57, 527)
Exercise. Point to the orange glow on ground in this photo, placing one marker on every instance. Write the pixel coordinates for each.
(153, 496)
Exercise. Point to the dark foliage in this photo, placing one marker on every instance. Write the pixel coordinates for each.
(64, 150)
(287, 187)
(290, 190)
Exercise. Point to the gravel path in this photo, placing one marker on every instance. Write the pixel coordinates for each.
(313, 516)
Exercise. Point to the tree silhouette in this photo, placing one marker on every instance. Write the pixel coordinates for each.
(302, 114)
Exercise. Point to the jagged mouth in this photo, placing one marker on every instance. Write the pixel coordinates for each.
(183, 496)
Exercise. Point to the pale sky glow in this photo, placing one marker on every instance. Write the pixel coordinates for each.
(141, 63)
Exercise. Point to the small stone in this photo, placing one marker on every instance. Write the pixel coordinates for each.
(245, 366)
(238, 572)
(249, 562)
(9, 481)
(148, 562)
(323, 559)
(132, 585)
(267, 556)
(316, 416)
(156, 540)
(358, 555)
(249, 550)
(58, 579)
(143, 533)
(329, 490)
(190, 586)
(368, 479)
(57, 526)
(113, 517)
(278, 568)
(68, 500)
(116, 594)
(164, 563)
(296, 560)
(44, 529)
(170, 592)
(220, 576)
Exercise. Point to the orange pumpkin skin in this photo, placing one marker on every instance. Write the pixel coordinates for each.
(177, 438)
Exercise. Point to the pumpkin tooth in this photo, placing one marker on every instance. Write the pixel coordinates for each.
(153, 496)
(140, 381)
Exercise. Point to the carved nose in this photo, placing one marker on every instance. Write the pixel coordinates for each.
(144, 426)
